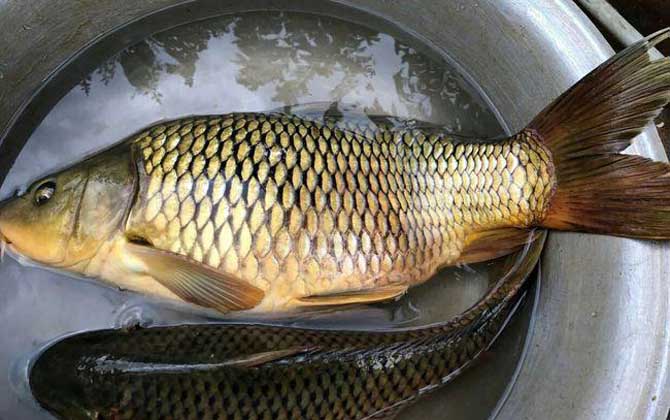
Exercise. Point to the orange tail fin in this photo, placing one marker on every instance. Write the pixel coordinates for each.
(600, 190)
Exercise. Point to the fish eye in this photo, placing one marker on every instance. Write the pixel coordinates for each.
(44, 192)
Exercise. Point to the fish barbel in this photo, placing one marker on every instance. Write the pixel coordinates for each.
(273, 212)
(229, 371)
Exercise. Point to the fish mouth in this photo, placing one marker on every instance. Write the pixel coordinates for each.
(4, 245)
(8, 248)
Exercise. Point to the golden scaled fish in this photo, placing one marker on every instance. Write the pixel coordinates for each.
(273, 212)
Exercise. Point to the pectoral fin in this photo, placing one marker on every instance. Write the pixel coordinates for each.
(259, 359)
(491, 244)
(196, 282)
(377, 294)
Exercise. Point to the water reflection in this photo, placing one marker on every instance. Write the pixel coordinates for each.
(297, 58)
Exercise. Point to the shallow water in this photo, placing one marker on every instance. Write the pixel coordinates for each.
(249, 62)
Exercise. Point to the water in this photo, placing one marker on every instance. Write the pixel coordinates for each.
(248, 62)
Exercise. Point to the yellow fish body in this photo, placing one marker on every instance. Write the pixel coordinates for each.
(298, 208)
(269, 211)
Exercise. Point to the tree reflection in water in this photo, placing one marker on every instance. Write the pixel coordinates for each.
(302, 58)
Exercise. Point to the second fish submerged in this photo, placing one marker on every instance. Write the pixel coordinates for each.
(271, 212)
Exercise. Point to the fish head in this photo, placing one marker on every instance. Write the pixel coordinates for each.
(63, 219)
(39, 222)
(62, 380)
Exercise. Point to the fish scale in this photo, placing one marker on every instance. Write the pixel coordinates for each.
(299, 207)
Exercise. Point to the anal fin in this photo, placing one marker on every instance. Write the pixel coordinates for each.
(372, 295)
(491, 244)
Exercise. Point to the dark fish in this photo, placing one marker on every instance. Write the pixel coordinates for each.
(253, 371)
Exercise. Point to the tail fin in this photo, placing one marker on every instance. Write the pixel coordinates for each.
(600, 190)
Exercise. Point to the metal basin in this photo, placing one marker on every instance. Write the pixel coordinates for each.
(599, 342)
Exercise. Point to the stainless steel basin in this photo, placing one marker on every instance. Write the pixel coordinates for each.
(599, 344)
